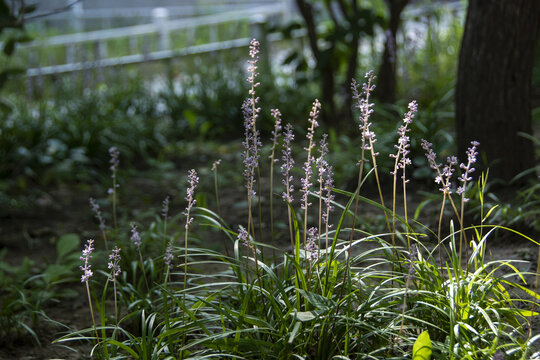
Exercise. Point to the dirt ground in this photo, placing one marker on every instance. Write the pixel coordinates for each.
(33, 230)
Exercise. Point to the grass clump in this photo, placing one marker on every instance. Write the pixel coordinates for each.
(339, 292)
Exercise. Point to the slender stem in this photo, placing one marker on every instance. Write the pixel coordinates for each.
(259, 280)
(439, 229)
(92, 311)
(320, 216)
(308, 162)
(114, 201)
(354, 221)
(216, 190)
(259, 204)
(185, 282)
(271, 193)
(407, 284)
(405, 210)
(394, 204)
(144, 272)
(115, 303)
(374, 159)
(185, 255)
(462, 230)
(164, 240)
(104, 235)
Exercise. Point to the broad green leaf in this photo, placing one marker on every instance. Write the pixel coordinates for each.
(422, 347)
(66, 244)
(294, 332)
(56, 272)
(319, 301)
(304, 315)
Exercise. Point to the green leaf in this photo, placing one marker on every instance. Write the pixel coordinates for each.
(9, 46)
(294, 332)
(8, 73)
(319, 301)
(422, 347)
(303, 315)
(67, 244)
(55, 272)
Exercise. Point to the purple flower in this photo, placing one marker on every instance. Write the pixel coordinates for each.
(244, 237)
(253, 48)
(430, 155)
(443, 178)
(403, 144)
(97, 213)
(311, 245)
(252, 65)
(193, 180)
(165, 207)
(306, 181)
(329, 186)
(467, 169)
(276, 114)
(215, 164)
(313, 115)
(114, 161)
(86, 256)
(321, 162)
(251, 144)
(365, 107)
(168, 257)
(113, 264)
(135, 236)
(288, 163)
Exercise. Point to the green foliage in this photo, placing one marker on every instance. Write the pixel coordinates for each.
(12, 32)
(64, 140)
(207, 105)
(422, 347)
(27, 289)
(385, 295)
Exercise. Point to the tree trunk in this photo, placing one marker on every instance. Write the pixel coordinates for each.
(386, 84)
(324, 65)
(493, 90)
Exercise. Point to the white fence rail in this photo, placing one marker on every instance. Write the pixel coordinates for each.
(159, 30)
(162, 29)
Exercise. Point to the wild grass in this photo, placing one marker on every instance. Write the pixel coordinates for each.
(339, 292)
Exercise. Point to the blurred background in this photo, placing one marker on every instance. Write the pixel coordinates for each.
(82, 76)
(164, 80)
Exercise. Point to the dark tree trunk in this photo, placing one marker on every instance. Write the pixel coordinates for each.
(328, 104)
(493, 91)
(324, 64)
(352, 66)
(386, 84)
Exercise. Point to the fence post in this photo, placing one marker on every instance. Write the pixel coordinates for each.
(100, 53)
(259, 32)
(133, 45)
(77, 12)
(160, 16)
(30, 80)
(289, 10)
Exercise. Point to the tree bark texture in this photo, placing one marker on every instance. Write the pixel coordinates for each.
(493, 90)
